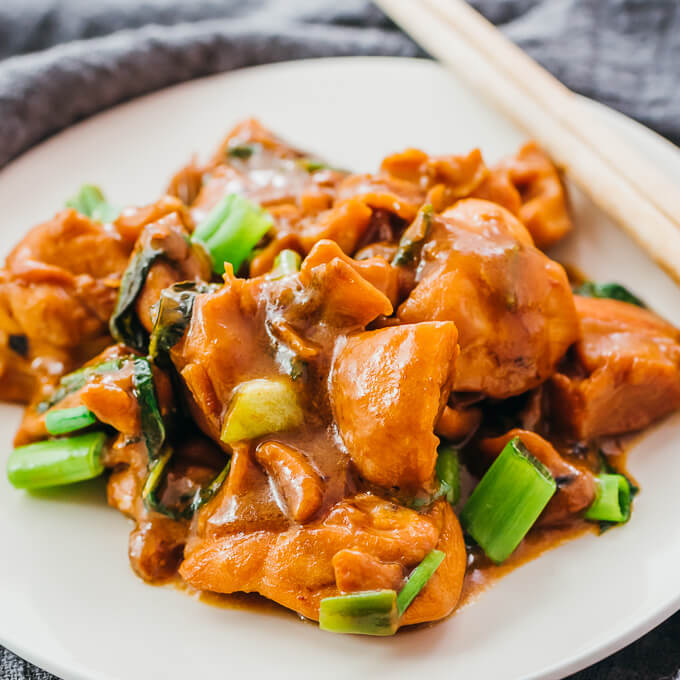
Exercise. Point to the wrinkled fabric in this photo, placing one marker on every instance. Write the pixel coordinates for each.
(625, 53)
(63, 60)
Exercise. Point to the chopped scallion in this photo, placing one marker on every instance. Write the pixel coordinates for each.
(448, 472)
(418, 578)
(259, 407)
(206, 493)
(232, 230)
(65, 420)
(153, 481)
(507, 501)
(366, 613)
(90, 201)
(153, 426)
(613, 499)
(287, 262)
(57, 461)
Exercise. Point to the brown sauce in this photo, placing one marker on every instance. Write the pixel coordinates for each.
(237, 601)
(482, 573)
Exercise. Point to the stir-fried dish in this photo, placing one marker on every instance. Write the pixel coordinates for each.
(349, 393)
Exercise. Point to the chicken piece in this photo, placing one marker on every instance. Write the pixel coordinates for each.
(233, 330)
(446, 178)
(376, 270)
(356, 571)
(221, 348)
(623, 375)
(511, 304)
(131, 221)
(297, 567)
(345, 223)
(388, 388)
(383, 192)
(296, 479)
(57, 290)
(576, 485)
(255, 163)
(543, 209)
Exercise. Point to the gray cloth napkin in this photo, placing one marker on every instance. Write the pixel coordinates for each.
(63, 60)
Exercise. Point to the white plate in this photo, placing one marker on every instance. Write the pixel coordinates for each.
(68, 599)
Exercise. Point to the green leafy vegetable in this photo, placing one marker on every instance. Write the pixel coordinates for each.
(72, 382)
(231, 231)
(153, 481)
(507, 501)
(151, 497)
(90, 201)
(312, 164)
(614, 291)
(174, 314)
(203, 495)
(243, 151)
(124, 325)
(56, 462)
(366, 613)
(65, 420)
(152, 421)
(413, 238)
(418, 578)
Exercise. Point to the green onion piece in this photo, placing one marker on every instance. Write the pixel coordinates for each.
(413, 238)
(312, 164)
(90, 201)
(448, 471)
(367, 613)
(124, 325)
(287, 262)
(72, 382)
(418, 578)
(232, 230)
(507, 501)
(259, 407)
(613, 499)
(65, 420)
(56, 462)
(175, 307)
(613, 291)
(153, 481)
(206, 493)
(152, 421)
(243, 151)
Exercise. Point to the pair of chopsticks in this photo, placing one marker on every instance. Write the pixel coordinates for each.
(626, 186)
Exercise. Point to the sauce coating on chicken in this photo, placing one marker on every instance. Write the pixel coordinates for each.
(298, 426)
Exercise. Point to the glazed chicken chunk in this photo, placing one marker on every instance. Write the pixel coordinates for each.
(354, 394)
(624, 373)
(511, 304)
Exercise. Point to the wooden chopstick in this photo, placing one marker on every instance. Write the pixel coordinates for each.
(624, 185)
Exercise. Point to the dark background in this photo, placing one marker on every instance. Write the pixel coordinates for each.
(62, 60)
